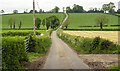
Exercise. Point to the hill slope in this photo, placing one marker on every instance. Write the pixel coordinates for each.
(27, 19)
(88, 19)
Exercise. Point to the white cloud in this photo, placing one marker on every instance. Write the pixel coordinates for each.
(10, 5)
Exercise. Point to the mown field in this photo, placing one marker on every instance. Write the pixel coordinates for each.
(110, 35)
(27, 19)
(88, 19)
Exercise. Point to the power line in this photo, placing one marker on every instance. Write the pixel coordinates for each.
(38, 5)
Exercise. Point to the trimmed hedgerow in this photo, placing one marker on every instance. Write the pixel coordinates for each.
(89, 45)
(38, 44)
(13, 52)
(19, 33)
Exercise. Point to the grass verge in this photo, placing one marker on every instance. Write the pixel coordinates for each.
(33, 55)
(95, 45)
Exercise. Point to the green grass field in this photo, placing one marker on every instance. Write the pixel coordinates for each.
(88, 19)
(27, 19)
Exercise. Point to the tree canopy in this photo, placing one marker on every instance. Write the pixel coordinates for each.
(37, 22)
(67, 22)
(101, 20)
(105, 7)
(118, 11)
(15, 11)
(109, 7)
(2, 11)
(55, 10)
(75, 9)
(31, 11)
(12, 21)
(95, 10)
(68, 10)
(51, 21)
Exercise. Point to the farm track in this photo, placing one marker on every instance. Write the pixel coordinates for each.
(61, 56)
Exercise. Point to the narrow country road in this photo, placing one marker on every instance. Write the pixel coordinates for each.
(61, 55)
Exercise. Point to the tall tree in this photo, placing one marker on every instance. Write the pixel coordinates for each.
(37, 23)
(118, 11)
(56, 9)
(2, 11)
(25, 11)
(20, 25)
(63, 9)
(68, 9)
(101, 20)
(31, 11)
(77, 9)
(67, 22)
(12, 22)
(54, 22)
(15, 11)
(105, 7)
(111, 5)
(40, 11)
(112, 11)
(46, 22)
(111, 8)
(51, 21)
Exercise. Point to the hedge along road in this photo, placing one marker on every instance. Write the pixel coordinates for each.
(61, 56)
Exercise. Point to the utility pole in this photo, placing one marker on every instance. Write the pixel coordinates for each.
(34, 16)
(50, 23)
(45, 24)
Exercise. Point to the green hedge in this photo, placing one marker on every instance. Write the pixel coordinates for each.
(89, 45)
(39, 44)
(19, 33)
(13, 52)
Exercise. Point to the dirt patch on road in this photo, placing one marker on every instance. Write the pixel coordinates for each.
(100, 61)
(36, 63)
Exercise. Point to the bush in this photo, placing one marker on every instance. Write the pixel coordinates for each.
(85, 44)
(95, 44)
(13, 52)
(19, 33)
(105, 45)
(39, 44)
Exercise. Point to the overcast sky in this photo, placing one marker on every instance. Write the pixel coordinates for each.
(21, 5)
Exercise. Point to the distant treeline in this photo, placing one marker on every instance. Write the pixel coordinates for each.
(106, 8)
